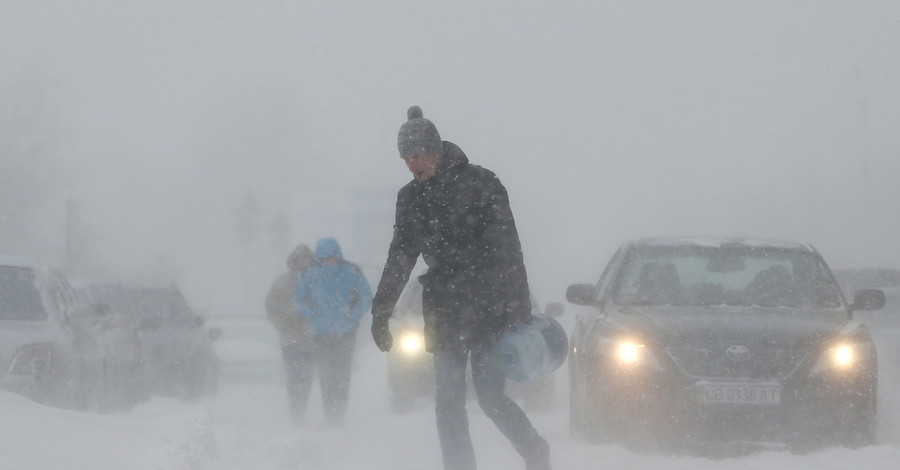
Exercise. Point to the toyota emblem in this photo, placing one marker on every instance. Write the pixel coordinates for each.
(737, 352)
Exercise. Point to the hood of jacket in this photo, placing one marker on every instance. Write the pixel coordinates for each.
(453, 156)
(327, 248)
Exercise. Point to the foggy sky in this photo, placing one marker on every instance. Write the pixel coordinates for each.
(605, 120)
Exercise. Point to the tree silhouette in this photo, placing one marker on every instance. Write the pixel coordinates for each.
(280, 233)
(248, 217)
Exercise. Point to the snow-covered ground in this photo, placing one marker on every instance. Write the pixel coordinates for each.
(246, 427)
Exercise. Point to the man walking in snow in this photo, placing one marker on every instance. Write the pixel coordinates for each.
(294, 330)
(457, 216)
(334, 294)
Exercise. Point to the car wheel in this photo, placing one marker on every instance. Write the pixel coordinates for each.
(107, 394)
(576, 408)
(540, 395)
(600, 426)
(403, 393)
(211, 383)
(200, 381)
(861, 429)
(89, 389)
(401, 403)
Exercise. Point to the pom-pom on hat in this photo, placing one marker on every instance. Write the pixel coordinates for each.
(418, 136)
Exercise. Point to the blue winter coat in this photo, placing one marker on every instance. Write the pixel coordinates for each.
(334, 296)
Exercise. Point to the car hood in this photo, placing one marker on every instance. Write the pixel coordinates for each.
(706, 326)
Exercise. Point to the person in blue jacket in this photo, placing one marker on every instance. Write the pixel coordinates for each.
(334, 294)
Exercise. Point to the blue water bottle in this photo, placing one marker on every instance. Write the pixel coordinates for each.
(529, 351)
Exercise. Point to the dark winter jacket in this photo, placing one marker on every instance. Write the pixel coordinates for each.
(293, 329)
(459, 220)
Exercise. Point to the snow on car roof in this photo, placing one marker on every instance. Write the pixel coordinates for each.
(722, 241)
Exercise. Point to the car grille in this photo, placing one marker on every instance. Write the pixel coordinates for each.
(716, 363)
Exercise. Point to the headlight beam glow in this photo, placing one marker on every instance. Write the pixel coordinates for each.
(412, 343)
(842, 356)
(629, 352)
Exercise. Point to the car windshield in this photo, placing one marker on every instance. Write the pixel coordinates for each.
(737, 275)
(143, 303)
(19, 298)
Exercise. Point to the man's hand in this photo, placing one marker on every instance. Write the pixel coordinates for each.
(381, 333)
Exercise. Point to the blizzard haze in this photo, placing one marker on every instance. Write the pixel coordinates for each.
(604, 120)
(200, 141)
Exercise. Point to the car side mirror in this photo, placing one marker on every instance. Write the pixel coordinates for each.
(554, 309)
(868, 299)
(581, 294)
(100, 309)
(151, 323)
(214, 333)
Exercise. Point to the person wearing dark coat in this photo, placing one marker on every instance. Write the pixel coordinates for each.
(457, 216)
(294, 330)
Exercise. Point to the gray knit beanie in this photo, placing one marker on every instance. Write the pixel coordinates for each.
(418, 136)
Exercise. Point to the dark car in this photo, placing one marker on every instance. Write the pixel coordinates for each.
(710, 345)
(49, 348)
(175, 351)
(411, 368)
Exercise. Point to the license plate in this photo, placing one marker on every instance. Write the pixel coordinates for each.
(739, 393)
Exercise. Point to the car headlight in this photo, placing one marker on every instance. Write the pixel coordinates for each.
(412, 343)
(844, 355)
(32, 359)
(629, 353)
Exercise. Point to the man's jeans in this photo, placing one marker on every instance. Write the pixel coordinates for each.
(450, 407)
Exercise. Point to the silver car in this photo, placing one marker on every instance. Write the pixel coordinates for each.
(174, 347)
(48, 347)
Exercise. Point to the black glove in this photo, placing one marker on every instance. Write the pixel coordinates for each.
(381, 333)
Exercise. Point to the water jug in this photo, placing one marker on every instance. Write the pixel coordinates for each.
(529, 351)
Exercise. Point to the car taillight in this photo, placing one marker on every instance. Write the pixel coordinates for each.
(33, 359)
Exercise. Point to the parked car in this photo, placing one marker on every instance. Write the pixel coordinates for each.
(49, 351)
(411, 368)
(126, 380)
(174, 349)
(701, 345)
